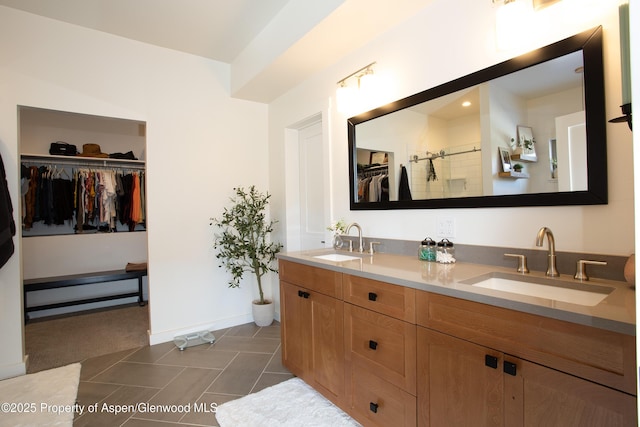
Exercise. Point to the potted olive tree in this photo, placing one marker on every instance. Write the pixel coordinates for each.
(243, 245)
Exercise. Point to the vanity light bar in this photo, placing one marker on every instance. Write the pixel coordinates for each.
(367, 69)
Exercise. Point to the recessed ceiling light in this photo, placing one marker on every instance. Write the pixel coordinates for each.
(466, 104)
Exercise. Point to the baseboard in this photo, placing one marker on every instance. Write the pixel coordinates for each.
(167, 336)
(15, 370)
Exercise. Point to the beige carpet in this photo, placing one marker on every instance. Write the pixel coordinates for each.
(61, 341)
(44, 399)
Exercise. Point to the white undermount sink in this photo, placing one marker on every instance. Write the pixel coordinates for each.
(553, 289)
(336, 257)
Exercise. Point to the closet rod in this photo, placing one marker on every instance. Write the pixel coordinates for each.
(442, 154)
(82, 162)
(374, 170)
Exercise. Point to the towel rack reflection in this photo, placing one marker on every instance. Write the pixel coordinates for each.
(440, 155)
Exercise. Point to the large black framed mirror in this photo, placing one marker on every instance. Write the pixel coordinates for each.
(533, 134)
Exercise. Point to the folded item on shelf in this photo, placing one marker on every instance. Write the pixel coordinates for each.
(123, 156)
(136, 266)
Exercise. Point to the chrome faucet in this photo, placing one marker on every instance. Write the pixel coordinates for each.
(360, 242)
(551, 257)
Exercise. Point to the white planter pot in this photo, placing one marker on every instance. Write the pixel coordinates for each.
(263, 314)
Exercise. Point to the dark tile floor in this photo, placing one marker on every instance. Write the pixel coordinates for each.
(162, 386)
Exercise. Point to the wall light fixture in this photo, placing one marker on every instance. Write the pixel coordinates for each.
(355, 89)
(513, 23)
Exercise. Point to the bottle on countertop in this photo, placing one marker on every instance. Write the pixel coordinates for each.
(427, 250)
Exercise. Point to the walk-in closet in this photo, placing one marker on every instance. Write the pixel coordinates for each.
(83, 240)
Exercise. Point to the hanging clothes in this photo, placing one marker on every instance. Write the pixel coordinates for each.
(7, 224)
(30, 198)
(62, 192)
(136, 205)
(95, 199)
(404, 192)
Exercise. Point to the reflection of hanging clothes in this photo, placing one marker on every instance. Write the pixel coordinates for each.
(431, 172)
(384, 185)
(404, 192)
(373, 186)
(7, 224)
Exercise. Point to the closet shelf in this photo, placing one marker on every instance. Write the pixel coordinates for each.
(83, 161)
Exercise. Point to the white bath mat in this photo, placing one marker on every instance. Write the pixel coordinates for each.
(290, 403)
(45, 398)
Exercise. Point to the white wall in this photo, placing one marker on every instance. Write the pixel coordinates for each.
(200, 144)
(436, 46)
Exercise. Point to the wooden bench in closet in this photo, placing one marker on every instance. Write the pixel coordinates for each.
(39, 284)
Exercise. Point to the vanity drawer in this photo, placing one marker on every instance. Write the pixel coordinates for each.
(392, 300)
(373, 401)
(602, 356)
(316, 279)
(382, 344)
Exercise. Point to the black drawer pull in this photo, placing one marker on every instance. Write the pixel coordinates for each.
(373, 345)
(373, 296)
(373, 407)
(304, 294)
(509, 368)
(491, 361)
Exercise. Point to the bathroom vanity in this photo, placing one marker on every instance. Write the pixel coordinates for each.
(393, 340)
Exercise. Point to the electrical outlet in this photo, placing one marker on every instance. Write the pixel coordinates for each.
(446, 227)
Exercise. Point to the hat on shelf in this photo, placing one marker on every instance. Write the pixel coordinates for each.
(92, 150)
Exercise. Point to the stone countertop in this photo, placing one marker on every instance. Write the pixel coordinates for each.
(615, 313)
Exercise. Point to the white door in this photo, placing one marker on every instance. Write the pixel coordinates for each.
(312, 186)
(306, 179)
(571, 145)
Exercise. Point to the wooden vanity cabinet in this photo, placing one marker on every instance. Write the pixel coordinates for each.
(463, 380)
(312, 327)
(391, 355)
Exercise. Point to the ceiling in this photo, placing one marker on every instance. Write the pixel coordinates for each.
(271, 45)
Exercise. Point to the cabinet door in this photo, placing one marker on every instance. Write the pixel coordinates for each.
(539, 396)
(459, 386)
(459, 383)
(295, 327)
(312, 339)
(327, 345)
